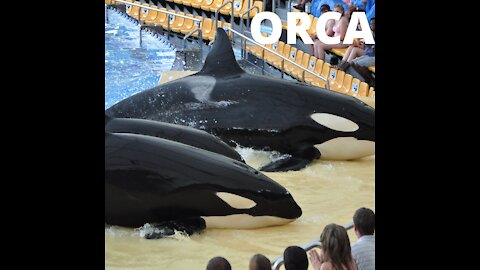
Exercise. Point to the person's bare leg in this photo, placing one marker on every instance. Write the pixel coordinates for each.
(356, 52)
(347, 53)
(322, 48)
(315, 48)
(321, 53)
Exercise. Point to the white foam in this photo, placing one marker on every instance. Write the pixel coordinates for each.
(147, 228)
(259, 158)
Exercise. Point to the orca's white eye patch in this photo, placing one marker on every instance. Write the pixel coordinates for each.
(334, 122)
(236, 201)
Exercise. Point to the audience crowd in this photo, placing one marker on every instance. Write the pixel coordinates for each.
(334, 253)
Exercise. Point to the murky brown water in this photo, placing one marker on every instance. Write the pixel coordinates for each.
(327, 192)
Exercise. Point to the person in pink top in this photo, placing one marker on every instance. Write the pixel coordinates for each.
(339, 29)
(335, 251)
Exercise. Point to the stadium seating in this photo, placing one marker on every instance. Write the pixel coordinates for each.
(338, 80)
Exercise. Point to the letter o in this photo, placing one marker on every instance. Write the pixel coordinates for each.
(276, 27)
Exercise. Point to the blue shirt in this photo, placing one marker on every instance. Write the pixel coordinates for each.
(359, 4)
(316, 4)
(371, 13)
(369, 7)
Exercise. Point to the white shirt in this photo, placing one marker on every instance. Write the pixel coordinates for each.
(363, 252)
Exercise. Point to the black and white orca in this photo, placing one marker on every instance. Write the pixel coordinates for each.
(265, 113)
(178, 133)
(158, 181)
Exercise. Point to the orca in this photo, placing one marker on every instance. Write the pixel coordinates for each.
(261, 112)
(158, 181)
(178, 133)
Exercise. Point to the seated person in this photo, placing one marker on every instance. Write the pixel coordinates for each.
(363, 251)
(335, 252)
(218, 263)
(339, 29)
(301, 4)
(329, 25)
(316, 6)
(359, 49)
(295, 258)
(259, 262)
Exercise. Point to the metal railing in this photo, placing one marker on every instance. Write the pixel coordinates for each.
(247, 12)
(199, 39)
(277, 262)
(106, 13)
(283, 59)
(162, 11)
(248, 26)
(231, 14)
(248, 9)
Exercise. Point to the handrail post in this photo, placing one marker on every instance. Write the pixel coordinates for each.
(244, 41)
(106, 13)
(168, 27)
(232, 22)
(199, 42)
(216, 15)
(218, 9)
(283, 60)
(140, 33)
(263, 62)
(248, 18)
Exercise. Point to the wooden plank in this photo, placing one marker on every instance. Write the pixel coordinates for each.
(168, 76)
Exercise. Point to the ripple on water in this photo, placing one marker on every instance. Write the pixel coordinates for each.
(130, 69)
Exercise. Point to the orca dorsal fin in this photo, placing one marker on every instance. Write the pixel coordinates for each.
(220, 60)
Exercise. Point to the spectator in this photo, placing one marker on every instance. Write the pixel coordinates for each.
(371, 12)
(329, 25)
(335, 251)
(324, 8)
(301, 4)
(367, 5)
(218, 263)
(317, 4)
(363, 250)
(295, 258)
(358, 67)
(359, 49)
(259, 262)
(339, 29)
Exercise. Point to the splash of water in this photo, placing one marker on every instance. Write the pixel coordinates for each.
(259, 158)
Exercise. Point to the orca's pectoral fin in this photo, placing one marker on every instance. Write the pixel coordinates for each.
(168, 228)
(297, 161)
(286, 164)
